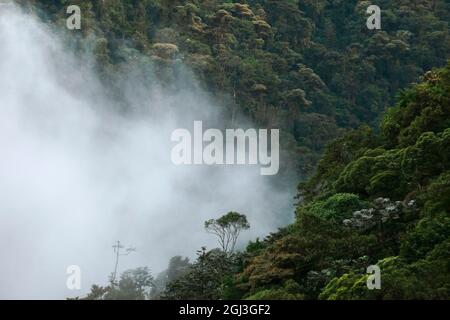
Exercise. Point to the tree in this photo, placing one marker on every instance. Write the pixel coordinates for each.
(134, 284)
(205, 279)
(227, 229)
(177, 268)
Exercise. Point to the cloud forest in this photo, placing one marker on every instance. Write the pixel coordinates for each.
(220, 150)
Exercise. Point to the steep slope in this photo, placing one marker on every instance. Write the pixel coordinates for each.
(307, 67)
(377, 199)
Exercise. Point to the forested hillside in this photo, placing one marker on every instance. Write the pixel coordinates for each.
(364, 115)
(310, 68)
(377, 199)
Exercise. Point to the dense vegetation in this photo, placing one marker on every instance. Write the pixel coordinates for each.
(376, 199)
(380, 193)
(308, 67)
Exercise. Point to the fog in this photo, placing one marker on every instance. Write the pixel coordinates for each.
(77, 173)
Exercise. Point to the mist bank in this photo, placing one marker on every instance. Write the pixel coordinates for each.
(82, 167)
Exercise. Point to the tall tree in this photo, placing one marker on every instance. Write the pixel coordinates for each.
(227, 229)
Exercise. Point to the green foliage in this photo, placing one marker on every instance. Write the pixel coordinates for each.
(436, 199)
(255, 246)
(343, 225)
(428, 278)
(312, 69)
(428, 233)
(289, 291)
(134, 284)
(335, 208)
(312, 244)
(338, 154)
(176, 269)
(397, 171)
(227, 229)
(285, 63)
(207, 278)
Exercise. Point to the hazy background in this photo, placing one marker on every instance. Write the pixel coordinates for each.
(76, 174)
